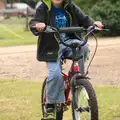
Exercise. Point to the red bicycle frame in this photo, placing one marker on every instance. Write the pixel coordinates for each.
(67, 78)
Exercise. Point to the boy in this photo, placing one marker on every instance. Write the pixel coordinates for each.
(58, 13)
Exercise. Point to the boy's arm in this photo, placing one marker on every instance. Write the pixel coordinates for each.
(83, 19)
(38, 18)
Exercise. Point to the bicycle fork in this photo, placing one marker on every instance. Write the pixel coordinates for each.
(74, 87)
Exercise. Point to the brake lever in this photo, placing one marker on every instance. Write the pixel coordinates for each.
(95, 28)
(90, 28)
(101, 29)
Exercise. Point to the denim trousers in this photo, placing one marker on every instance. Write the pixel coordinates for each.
(55, 83)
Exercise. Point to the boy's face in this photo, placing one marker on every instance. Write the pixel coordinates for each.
(57, 2)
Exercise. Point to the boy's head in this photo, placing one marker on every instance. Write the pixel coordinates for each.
(57, 3)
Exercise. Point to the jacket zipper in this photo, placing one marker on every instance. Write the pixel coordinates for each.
(70, 17)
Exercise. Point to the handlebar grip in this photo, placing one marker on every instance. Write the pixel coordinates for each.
(71, 29)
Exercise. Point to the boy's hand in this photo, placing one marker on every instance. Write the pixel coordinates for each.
(40, 26)
(99, 24)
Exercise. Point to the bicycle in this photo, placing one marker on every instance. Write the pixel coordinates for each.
(83, 100)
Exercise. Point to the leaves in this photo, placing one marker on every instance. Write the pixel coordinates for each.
(105, 11)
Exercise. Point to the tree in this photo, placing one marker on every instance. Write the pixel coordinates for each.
(105, 10)
(86, 5)
(108, 12)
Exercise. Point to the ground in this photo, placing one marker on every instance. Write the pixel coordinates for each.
(20, 63)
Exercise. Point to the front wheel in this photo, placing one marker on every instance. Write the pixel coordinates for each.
(58, 107)
(84, 103)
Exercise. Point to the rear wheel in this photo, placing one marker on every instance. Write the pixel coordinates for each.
(43, 98)
(58, 107)
(84, 104)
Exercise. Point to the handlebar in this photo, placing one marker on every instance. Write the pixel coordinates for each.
(71, 29)
(65, 30)
(90, 30)
(49, 29)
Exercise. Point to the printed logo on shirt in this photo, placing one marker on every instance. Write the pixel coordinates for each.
(61, 20)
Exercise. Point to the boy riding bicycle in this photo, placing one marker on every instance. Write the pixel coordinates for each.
(58, 13)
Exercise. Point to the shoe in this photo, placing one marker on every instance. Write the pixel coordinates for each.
(50, 114)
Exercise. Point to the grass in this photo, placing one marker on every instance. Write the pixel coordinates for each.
(15, 34)
(13, 19)
(20, 100)
(109, 102)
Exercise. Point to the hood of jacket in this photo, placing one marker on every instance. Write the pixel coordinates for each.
(48, 3)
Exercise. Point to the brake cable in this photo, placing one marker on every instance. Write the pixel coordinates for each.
(93, 54)
(91, 32)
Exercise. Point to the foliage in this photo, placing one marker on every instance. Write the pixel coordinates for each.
(108, 12)
(104, 10)
(85, 5)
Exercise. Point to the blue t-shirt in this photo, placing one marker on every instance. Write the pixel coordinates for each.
(60, 20)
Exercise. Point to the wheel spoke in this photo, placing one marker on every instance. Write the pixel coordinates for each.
(85, 101)
(82, 98)
(83, 109)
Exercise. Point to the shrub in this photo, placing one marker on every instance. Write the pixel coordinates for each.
(109, 13)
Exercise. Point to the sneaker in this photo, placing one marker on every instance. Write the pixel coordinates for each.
(50, 114)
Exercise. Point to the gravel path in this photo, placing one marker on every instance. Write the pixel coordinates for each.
(20, 63)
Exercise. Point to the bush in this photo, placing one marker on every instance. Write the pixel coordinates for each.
(108, 12)
(86, 5)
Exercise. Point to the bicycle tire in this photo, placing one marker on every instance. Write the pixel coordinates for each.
(58, 110)
(42, 96)
(92, 97)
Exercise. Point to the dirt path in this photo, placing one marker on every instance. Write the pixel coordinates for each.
(20, 62)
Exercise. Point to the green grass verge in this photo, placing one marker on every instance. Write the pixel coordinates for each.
(20, 100)
(109, 102)
(13, 19)
(15, 34)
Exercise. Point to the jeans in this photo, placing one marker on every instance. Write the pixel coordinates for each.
(55, 83)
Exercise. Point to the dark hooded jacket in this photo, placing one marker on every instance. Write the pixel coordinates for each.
(48, 46)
